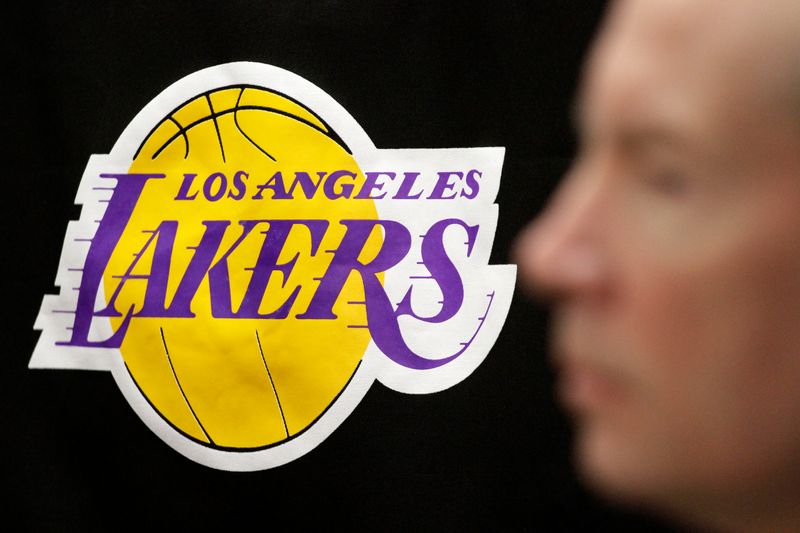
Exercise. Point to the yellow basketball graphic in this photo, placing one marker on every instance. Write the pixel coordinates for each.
(239, 383)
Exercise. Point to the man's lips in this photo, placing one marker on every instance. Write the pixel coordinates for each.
(586, 387)
(591, 367)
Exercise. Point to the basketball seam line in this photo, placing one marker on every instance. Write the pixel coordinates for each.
(235, 449)
(178, 382)
(234, 110)
(216, 126)
(183, 132)
(246, 136)
(328, 131)
(162, 416)
(272, 383)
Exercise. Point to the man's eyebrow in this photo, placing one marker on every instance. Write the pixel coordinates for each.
(633, 136)
(637, 137)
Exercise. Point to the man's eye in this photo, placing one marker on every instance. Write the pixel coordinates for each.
(667, 182)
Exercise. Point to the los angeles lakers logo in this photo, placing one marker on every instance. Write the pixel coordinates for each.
(247, 263)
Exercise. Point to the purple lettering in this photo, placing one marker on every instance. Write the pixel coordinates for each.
(120, 207)
(275, 183)
(443, 185)
(382, 319)
(238, 184)
(267, 263)
(472, 187)
(371, 184)
(208, 186)
(404, 191)
(397, 241)
(442, 270)
(345, 190)
(186, 184)
(306, 183)
(164, 236)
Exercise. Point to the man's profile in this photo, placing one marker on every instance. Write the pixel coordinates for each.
(671, 253)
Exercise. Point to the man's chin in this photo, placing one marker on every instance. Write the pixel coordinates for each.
(609, 465)
(624, 471)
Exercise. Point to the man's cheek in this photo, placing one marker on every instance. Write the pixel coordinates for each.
(661, 317)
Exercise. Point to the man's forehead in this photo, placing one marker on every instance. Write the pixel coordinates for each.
(661, 22)
(674, 22)
(679, 59)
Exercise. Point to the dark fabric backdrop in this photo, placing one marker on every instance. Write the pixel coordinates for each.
(491, 453)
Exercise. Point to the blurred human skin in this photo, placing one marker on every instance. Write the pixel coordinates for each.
(671, 255)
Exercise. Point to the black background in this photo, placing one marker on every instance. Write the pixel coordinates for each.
(491, 453)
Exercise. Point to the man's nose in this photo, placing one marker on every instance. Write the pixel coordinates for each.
(561, 253)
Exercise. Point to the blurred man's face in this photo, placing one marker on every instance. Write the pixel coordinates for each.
(672, 252)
